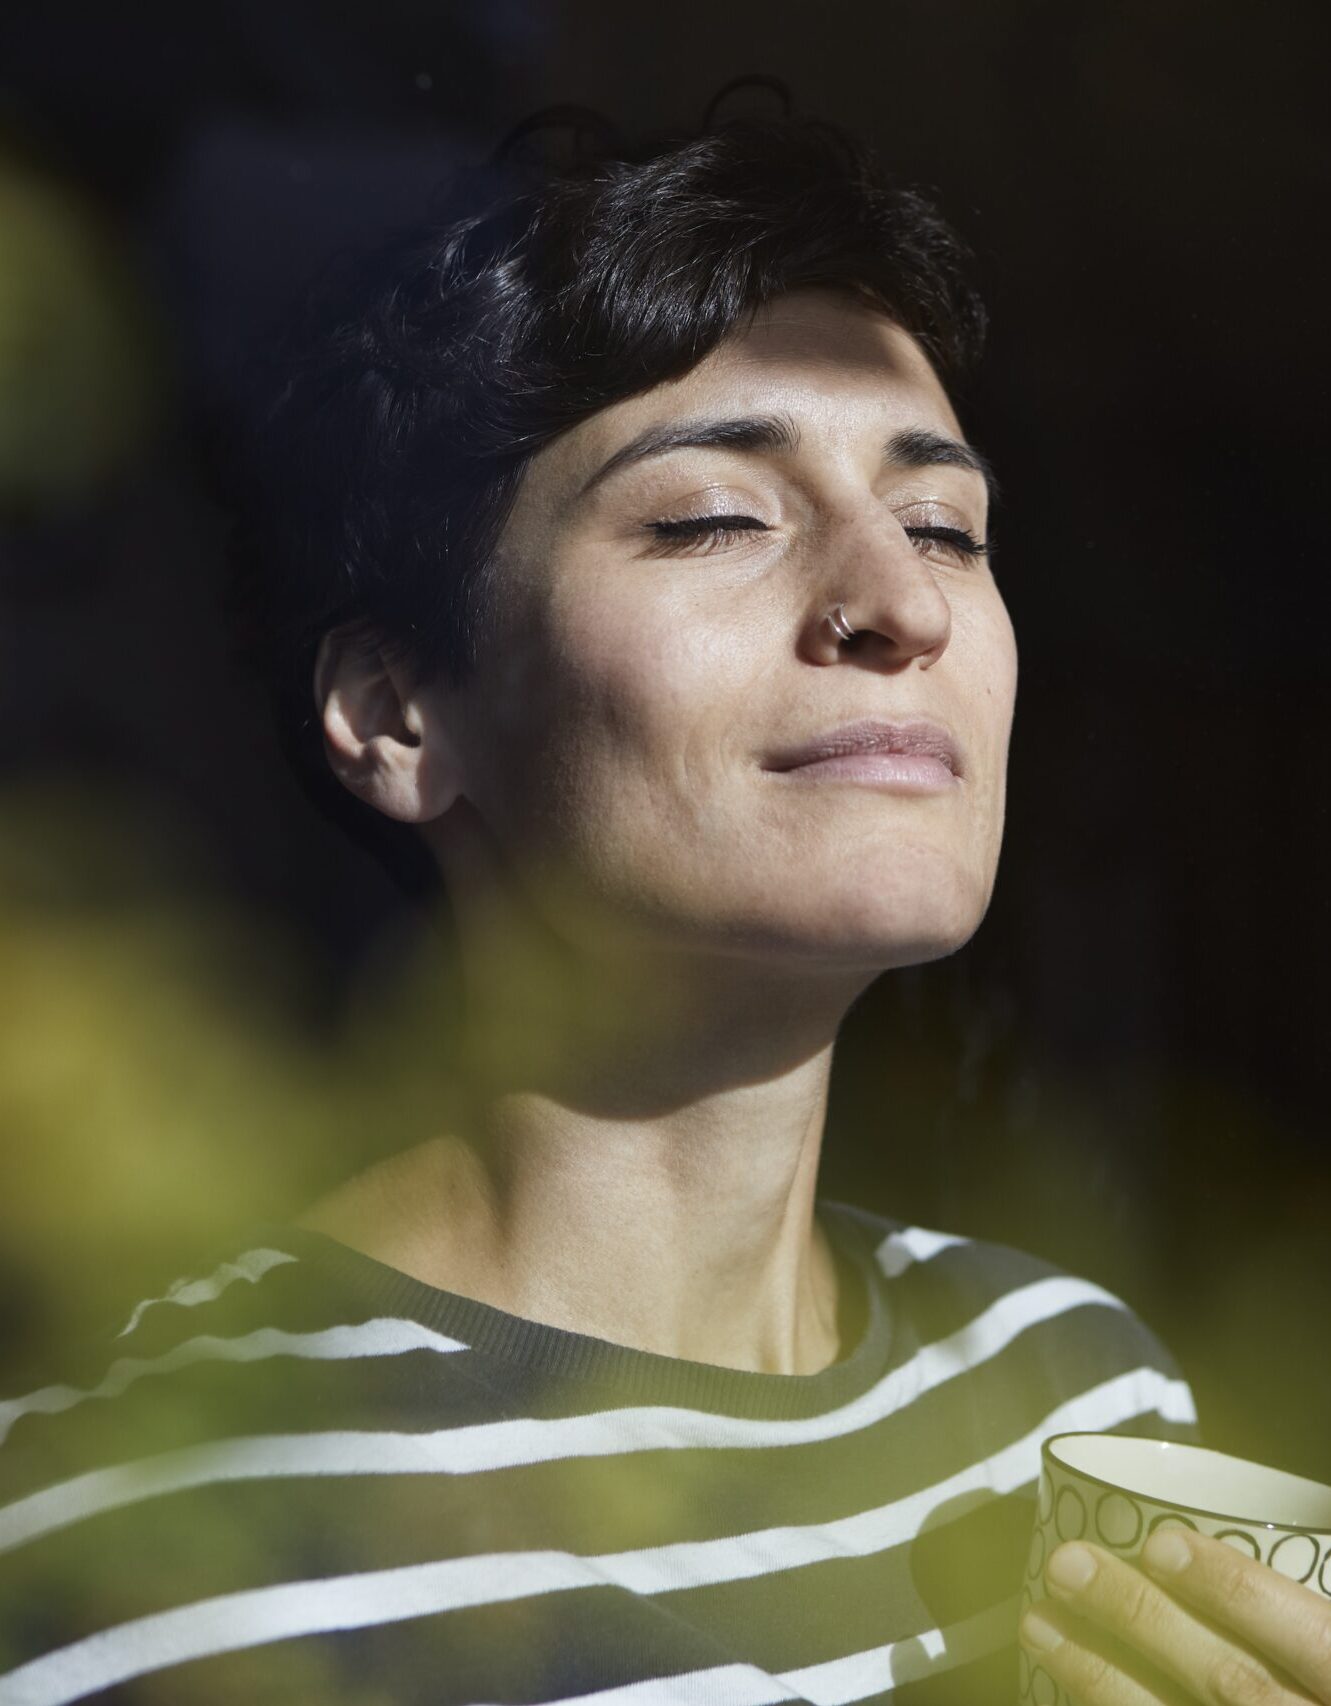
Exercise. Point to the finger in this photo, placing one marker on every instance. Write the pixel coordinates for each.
(1090, 1667)
(1206, 1661)
(1279, 1618)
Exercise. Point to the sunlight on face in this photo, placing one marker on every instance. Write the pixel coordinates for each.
(663, 644)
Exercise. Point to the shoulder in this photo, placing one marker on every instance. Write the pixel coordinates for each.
(1028, 1336)
(203, 1316)
(193, 1441)
(264, 1338)
(231, 1311)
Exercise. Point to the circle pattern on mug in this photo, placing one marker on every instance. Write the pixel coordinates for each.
(1118, 1520)
(1241, 1541)
(1069, 1513)
(1171, 1519)
(1295, 1556)
(1070, 1508)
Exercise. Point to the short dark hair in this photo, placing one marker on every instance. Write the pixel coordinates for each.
(415, 385)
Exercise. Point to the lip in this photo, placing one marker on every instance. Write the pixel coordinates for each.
(870, 738)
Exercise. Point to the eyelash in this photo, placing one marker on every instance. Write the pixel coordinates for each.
(710, 531)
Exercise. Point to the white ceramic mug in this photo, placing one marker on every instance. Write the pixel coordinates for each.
(1116, 1491)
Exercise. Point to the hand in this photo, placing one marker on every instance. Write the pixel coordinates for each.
(1211, 1625)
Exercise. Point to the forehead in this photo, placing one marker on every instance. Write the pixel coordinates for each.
(827, 342)
(839, 366)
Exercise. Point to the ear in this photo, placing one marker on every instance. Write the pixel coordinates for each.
(385, 744)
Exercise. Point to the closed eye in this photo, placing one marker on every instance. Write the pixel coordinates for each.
(706, 532)
(957, 542)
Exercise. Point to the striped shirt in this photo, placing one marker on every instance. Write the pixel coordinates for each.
(309, 1478)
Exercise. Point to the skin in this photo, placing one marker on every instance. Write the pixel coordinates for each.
(1200, 1622)
(659, 936)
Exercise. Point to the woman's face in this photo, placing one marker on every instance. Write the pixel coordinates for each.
(651, 667)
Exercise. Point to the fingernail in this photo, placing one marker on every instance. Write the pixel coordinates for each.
(1070, 1568)
(1167, 1552)
(1039, 1634)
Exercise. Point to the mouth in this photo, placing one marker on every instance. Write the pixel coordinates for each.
(916, 756)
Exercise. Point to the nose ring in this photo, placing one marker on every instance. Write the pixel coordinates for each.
(836, 619)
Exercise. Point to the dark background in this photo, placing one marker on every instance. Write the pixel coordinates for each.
(1127, 1070)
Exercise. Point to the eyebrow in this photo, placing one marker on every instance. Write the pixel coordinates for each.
(914, 447)
(921, 447)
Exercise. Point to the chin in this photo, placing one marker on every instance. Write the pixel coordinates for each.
(890, 933)
(927, 908)
(907, 929)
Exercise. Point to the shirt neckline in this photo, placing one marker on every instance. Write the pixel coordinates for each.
(621, 1372)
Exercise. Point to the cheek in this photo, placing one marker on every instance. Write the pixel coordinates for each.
(1006, 644)
(648, 674)
(985, 656)
(623, 713)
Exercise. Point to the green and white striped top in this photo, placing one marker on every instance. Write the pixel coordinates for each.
(309, 1478)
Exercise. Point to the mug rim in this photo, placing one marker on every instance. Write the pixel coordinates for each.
(1175, 1504)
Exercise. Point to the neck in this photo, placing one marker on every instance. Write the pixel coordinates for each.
(631, 1153)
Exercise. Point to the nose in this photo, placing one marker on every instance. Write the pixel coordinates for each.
(891, 595)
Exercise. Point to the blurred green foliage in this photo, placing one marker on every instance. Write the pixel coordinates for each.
(147, 1097)
(82, 367)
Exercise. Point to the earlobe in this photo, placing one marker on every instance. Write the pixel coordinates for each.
(382, 743)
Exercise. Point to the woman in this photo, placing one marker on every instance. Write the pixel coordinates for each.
(629, 540)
